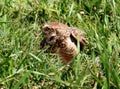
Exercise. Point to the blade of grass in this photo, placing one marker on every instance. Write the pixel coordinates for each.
(22, 80)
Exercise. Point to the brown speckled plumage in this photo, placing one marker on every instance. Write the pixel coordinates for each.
(62, 39)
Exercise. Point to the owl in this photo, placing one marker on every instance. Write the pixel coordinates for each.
(63, 40)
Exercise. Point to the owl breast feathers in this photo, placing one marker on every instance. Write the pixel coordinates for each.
(62, 40)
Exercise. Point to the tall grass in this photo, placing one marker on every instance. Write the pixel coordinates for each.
(24, 65)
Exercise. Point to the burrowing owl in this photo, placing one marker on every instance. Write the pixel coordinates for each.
(63, 40)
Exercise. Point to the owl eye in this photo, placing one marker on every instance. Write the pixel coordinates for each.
(45, 30)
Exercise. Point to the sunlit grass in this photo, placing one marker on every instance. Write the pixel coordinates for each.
(24, 65)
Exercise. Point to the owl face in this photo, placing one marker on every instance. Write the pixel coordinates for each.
(50, 35)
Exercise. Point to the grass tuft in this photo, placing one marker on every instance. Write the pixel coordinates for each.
(24, 65)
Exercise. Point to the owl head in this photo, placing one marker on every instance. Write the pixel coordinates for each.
(54, 31)
(50, 34)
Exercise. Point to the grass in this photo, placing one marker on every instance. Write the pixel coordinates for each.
(24, 66)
